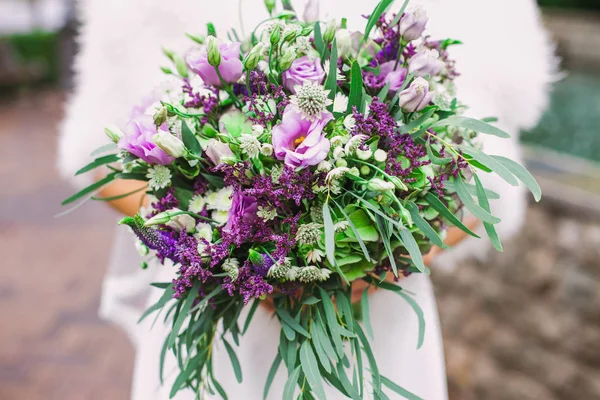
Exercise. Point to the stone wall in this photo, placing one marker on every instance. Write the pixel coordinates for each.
(526, 324)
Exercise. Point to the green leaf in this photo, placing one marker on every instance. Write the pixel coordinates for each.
(472, 124)
(399, 15)
(473, 207)
(399, 390)
(91, 188)
(332, 324)
(320, 351)
(185, 310)
(444, 212)
(311, 300)
(189, 139)
(385, 237)
(286, 318)
(104, 149)
(351, 390)
(331, 82)
(415, 306)
(473, 190)
(186, 373)
(271, 375)
(290, 384)
(250, 315)
(493, 164)
(374, 17)
(417, 122)
(359, 239)
(330, 240)
(424, 225)
(318, 330)
(484, 203)
(219, 387)
(308, 361)
(384, 92)
(161, 364)
(181, 65)
(413, 249)
(356, 87)
(235, 363)
(366, 314)
(523, 175)
(319, 43)
(376, 378)
(111, 158)
(435, 159)
(166, 296)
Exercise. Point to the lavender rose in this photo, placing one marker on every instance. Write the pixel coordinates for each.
(426, 62)
(416, 97)
(394, 77)
(230, 68)
(218, 152)
(300, 142)
(243, 210)
(138, 141)
(413, 23)
(302, 70)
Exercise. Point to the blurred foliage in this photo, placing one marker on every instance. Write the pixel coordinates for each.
(572, 121)
(36, 53)
(590, 4)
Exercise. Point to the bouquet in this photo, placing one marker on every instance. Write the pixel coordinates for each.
(290, 164)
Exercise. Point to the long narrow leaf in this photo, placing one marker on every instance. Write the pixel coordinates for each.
(271, 375)
(290, 384)
(356, 87)
(472, 124)
(443, 210)
(235, 362)
(166, 296)
(308, 361)
(250, 315)
(523, 175)
(374, 17)
(92, 188)
(473, 207)
(424, 225)
(185, 310)
(376, 378)
(286, 318)
(189, 139)
(399, 390)
(111, 158)
(413, 249)
(329, 234)
(493, 164)
(484, 203)
(366, 314)
(361, 243)
(331, 82)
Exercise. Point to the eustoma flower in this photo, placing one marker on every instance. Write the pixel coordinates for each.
(230, 67)
(218, 152)
(395, 77)
(426, 62)
(138, 141)
(416, 97)
(413, 23)
(243, 210)
(300, 142)
(304, 69)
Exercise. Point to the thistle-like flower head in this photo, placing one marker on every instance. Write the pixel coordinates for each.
(311, 99)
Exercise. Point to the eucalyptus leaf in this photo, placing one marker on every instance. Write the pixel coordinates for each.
(376, 378)
(472, 124)
(374, 17)
(493, 164)
(473, 207)
(286, 319)
(399, 390)
(424, 225)
(290, 385)
(111, 158)
(271, 375)
(235, 362)
(91, 188)
(484, 203)
(331, 82)
(308, 361)
(444, 212)
(522, 174)
(366, 314)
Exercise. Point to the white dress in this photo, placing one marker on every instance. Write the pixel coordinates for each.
(506, 64)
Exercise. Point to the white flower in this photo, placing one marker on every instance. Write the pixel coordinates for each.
(338, 153)
(220, 217)
(231, 268)
(292, 273)
(324, 166)
(303, 44)
(258, 130)
(336, 141)
(266, 213)
(344, 42)
(309, 233)
(311, 99)
(280, 268)
(276, 172)
(197, 204)
(337, 173)
(314, 256)
(266, 149)
(204, 231)
(341, 226)
(363, 154)
(338, 76)
(159, 177)
(349, 122)
(312, 274)
(380, 155)
(201, 248)
(181, 222)
(250, 145)
(340, 103)
(379, 185)
(354, 143)
(219, 200)
(169, 143)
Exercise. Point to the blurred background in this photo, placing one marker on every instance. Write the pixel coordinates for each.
(524, 326)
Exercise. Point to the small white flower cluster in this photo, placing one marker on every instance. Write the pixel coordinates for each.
(311, 99)
(309, 233)
(266, 213)
(285, 271)
(219, 202)
(232, 268)
(159, 177)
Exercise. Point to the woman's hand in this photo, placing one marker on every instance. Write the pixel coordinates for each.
(454, 237)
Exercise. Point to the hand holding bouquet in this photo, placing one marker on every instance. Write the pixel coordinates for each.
(290, 165)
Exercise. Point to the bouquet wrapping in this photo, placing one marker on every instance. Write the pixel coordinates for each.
(288, 165)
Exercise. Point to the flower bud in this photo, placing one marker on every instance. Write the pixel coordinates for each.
(329, 33)
(160, 116)
(255, 257)
(275, 35)
(311, 11)
(253, 57)
(291, 32)
(363, 154)
(213, 52)
(169, 143)
(365, 170)
(416, 97)
(426, 62)
(413, 23)
(380, 155)
(266, 149)
(379, 185)
(114, 133)
(341, 163)
(270, 4)
(286, 60)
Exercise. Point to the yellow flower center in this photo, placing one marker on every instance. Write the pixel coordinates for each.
(299, 141)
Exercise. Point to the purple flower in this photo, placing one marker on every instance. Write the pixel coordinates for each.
(138, 141)
(426, 62)
(231, 67)
(300, 142)
(243, 211)
(413, 23)
(394, 77)
(303, 69)
(416, 97)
